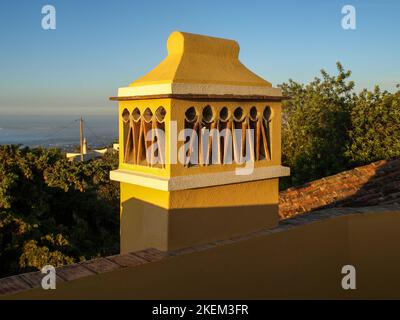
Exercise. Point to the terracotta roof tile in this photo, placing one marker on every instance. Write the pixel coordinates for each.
(374, 184)
(179, 252)
(101, 265)
(151, 255)
(205, 246)
(73, 271)
(34, 279)
(127, 260)
(12, 285)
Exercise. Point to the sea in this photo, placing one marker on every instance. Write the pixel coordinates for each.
(58, 131)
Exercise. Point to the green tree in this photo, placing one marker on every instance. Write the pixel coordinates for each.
(315, 126)
(53, 210)
(375, 130)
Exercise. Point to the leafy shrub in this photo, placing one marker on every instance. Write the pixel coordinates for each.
(328, 128)
(375, 131)
(315, 126)
(53, 210)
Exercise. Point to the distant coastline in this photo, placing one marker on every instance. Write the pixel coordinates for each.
(57, 131)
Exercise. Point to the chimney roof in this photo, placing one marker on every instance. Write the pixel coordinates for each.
(200, 65)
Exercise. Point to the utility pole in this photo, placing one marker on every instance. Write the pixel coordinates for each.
(81, 137)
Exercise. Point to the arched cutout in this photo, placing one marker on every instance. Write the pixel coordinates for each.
(253, 114)
(125, 115)
(147, 115)
(191, 114)
(160, 114)
(224, 114)
(208, 114)
(238, 114)
(136, 115)
(267, 113)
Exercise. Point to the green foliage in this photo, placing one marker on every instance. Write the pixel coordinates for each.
(315, 125)
(328, 128)
(53, 211)
(375, 132)
(51, 252)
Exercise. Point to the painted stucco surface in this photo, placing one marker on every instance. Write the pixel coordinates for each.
(172, 220)
(302, 258)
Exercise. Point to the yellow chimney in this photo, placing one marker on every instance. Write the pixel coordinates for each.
(200, 148)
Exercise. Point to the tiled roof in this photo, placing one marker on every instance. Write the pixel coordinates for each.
(374, 184)
(23, 282)
(31, 280)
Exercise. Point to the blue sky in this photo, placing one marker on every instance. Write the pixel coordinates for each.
(101, 45)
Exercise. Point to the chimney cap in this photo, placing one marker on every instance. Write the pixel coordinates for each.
(200, 65)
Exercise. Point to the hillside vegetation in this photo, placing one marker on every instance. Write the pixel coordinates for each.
(53, 211)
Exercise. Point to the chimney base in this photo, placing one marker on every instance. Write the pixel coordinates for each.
(179, 219)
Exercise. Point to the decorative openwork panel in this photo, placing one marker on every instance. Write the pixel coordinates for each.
(221, 135)
(144, 137)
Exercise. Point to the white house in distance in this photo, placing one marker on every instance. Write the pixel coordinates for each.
(84, 154)
(87, 155)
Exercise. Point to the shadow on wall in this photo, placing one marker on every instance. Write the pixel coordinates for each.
(144, 225)
(375, 184)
